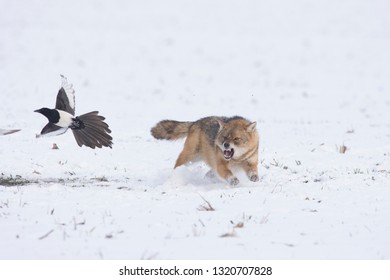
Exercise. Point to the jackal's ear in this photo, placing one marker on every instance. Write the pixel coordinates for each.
(251, 127)
(220, 125)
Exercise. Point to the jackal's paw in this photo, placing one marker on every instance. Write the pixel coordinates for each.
(233, 181)
(254, 178)
(210, 174)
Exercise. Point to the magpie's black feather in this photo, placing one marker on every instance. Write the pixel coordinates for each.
(50, 128)
(94, 132)
(65, 98)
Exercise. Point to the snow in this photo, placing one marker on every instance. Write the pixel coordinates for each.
(313, 74)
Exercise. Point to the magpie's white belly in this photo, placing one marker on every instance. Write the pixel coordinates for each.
(66, 119)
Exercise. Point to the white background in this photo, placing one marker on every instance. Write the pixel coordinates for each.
(313, 74)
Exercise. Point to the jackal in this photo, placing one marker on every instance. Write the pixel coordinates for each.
(223, 143)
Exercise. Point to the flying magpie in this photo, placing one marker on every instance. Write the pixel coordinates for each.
(6, 131)
(88, 129)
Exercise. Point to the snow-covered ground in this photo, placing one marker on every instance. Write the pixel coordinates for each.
(313, 74)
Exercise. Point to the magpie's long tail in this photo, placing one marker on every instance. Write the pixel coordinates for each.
(91, 130)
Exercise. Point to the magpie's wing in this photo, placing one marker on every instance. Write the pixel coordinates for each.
(65, 97)
(51, 130)
(6, 131)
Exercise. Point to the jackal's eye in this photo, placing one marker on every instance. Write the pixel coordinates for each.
(237, 140)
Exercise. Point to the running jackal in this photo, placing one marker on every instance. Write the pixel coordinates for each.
(223, 143)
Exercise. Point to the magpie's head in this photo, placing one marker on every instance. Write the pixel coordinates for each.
(44, 111)
(51, 114)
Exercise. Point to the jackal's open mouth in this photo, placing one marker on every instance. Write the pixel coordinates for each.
(228, 154)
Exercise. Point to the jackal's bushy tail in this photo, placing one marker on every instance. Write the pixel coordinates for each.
(170, 130)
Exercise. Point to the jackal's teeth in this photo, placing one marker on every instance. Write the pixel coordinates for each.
(228, 154)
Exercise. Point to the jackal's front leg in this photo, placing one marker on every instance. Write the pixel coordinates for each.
(224, 171)
(251, 171)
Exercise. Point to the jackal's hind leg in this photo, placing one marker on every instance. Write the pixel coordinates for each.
(210, 174)
(189, 152)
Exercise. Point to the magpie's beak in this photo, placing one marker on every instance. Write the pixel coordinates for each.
(37, 111)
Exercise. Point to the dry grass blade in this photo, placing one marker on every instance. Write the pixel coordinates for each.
(229, 234)
(206, 207)
(343, 149)
(239, 225)
(46, 235)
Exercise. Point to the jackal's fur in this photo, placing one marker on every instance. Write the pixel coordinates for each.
(221, 142)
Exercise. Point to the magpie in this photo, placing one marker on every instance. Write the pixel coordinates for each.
(6, 131)
(88, 129)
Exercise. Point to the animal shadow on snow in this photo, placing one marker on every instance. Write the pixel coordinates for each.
(197, 176)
